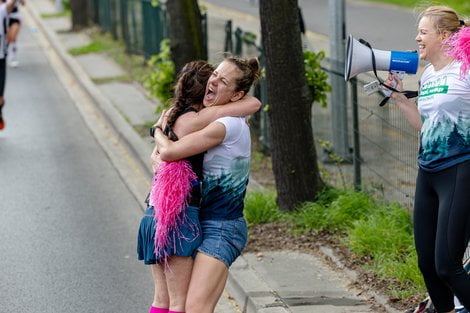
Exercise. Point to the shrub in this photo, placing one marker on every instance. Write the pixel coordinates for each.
(160, 80)
(317, 79)
(347, 208)
(387, 231)
(386, 237)
(261, 208)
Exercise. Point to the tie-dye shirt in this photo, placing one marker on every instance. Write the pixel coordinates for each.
(226, 172)
(444, 106)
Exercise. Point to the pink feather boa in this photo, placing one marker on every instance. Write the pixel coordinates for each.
(169, 196)
(459, 48)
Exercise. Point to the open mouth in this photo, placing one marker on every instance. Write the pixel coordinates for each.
(210, 96)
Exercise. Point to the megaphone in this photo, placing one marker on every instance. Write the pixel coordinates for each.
(362, 58)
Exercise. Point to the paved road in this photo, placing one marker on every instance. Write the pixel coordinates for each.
(67, 221)
(384, 26)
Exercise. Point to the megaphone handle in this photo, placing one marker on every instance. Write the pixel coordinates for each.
(386, 91)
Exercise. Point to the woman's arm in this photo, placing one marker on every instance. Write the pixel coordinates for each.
(191, 122)
(407, 107)
(189, 145)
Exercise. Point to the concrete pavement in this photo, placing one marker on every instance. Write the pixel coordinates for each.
(268, 282)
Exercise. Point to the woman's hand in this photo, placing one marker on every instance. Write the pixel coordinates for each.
(155, 160)
(394, 81)
(161, 121)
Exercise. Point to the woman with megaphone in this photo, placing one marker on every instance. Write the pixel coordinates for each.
(442, 115)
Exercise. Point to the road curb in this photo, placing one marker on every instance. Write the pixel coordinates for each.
(330, 255)
(250, 291)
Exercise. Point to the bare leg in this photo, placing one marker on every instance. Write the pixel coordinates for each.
(11, 38)
(177, 279)
(207, 284)
(160, 298)
(13, 31)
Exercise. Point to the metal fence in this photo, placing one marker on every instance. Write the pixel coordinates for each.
(140, 24)
(383, 146)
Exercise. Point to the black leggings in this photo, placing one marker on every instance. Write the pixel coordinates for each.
(442, 231)
(3, 75)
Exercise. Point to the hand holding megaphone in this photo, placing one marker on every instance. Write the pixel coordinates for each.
(394, 80)
(361, 57)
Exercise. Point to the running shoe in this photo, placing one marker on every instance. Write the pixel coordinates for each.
(14, 63)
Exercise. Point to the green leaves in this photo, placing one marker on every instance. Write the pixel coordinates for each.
(317, 79)
(261, 208)
(159, 81)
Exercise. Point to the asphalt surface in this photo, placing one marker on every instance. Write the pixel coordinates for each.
(67, 220)
(386, 27)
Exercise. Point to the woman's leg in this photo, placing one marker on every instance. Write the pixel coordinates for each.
(178, 275)
(425, 229)
(11, 38)
(161, 298)
(454, 229)
(207, 284)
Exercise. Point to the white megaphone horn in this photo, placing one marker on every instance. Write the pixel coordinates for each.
(362, 58)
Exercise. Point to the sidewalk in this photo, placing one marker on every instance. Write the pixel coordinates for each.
(268, 282)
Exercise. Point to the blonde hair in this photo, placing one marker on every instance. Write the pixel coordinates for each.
(444, 18)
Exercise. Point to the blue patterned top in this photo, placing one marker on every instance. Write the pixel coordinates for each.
(226, 172)
(444, 106)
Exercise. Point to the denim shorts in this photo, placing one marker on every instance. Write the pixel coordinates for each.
(181, 242)
(224, 239)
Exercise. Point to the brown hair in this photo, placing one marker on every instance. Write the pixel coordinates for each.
(444, 18)
(189, 90)
(250, 69)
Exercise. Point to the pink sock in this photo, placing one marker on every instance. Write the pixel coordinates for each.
(157, 310)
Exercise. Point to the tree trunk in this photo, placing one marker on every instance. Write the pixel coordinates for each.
(185, 32)
(79, 14)
(292, 145)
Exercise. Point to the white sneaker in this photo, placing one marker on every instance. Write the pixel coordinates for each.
(14, 63)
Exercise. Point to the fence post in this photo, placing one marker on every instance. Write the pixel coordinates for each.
(153, 28)
(339, 112)
(125, 25)
(114, 19)
(356, 136)
(105, 15)
(228, 37)
(264, 120)
(205, 40)
(238, 41)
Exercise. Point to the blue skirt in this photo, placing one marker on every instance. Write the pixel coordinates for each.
(188, 237)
